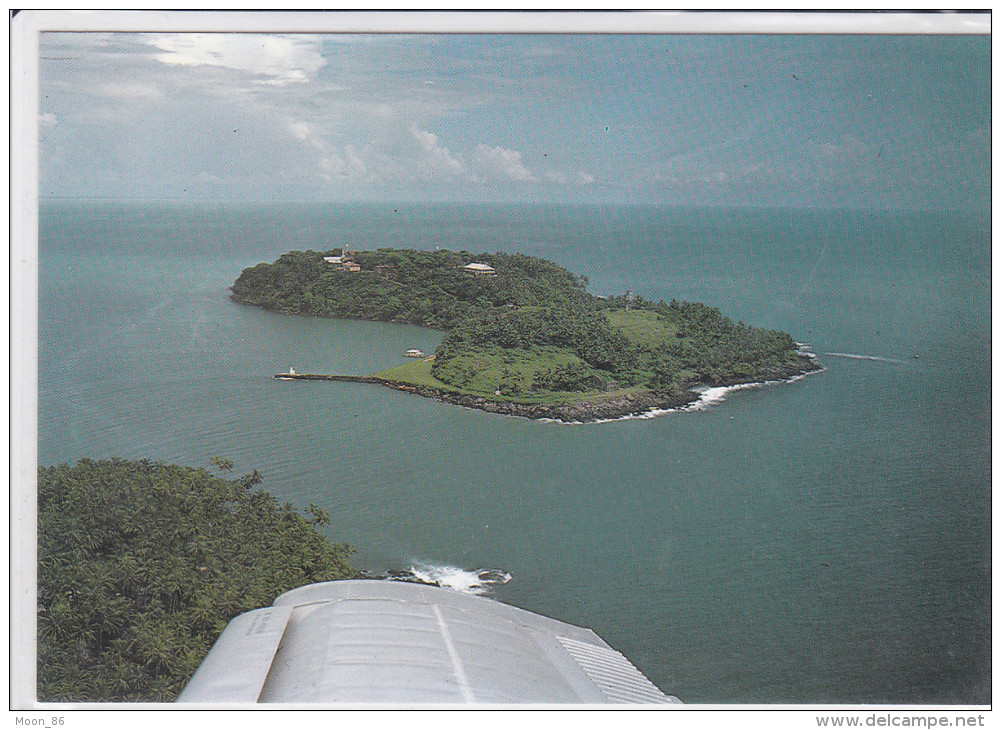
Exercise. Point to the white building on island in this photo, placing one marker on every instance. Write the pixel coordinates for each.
(480, 269)
(344, 262)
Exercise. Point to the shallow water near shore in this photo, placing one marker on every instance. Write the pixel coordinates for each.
(824, 540)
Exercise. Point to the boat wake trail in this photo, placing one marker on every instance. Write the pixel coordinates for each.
(874, 358)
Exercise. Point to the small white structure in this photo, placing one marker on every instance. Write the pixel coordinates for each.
(291, 371)
(480, 269)
(413, 353)
(344, 262)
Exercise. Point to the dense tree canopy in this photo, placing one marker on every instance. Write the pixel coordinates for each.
(658, 346)
(141, 565)
(531, 331)
(428, 288)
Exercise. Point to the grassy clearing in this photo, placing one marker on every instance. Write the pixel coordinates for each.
(533, 374)
(520, 374)
(608, 395)
(511, 371)
(416, 372)
(643, 327)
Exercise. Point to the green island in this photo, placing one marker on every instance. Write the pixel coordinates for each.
(524, 336)
(141, 565)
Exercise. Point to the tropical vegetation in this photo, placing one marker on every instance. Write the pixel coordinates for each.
(531, 333)
(142, 564)
(661, 347)
(429, 288)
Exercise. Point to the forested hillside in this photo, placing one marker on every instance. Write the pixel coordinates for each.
(529, 331)
(427, 288)
(662, 347)
(141, 565)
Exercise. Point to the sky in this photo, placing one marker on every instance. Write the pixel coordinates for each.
(874, 121)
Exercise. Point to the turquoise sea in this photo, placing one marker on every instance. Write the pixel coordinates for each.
(821, 541)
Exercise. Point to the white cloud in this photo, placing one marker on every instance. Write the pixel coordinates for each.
(503, 162)
(333, 163)
(300, 130)
(356, 161)
(336, 165)
(436, 156)
(276, 60)
(581, 177)
(129, 91)
(332, 166)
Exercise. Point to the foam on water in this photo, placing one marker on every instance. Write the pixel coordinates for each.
(874, 358)
(476, 581)
(708, 397)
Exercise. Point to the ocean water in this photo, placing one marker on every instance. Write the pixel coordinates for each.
(826, 540)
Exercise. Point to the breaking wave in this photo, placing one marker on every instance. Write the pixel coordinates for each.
(476, 582)
(708, 397)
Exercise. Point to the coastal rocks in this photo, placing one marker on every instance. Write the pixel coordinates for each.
(605, 406)
(806, 363)
(601, 407)
(478, 582)
(403, 576)
(629, 404)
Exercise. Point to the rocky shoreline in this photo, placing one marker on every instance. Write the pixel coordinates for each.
(600, 408)
(607, 407)
(400, 576)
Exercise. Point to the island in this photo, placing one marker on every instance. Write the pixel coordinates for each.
(525, 337)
